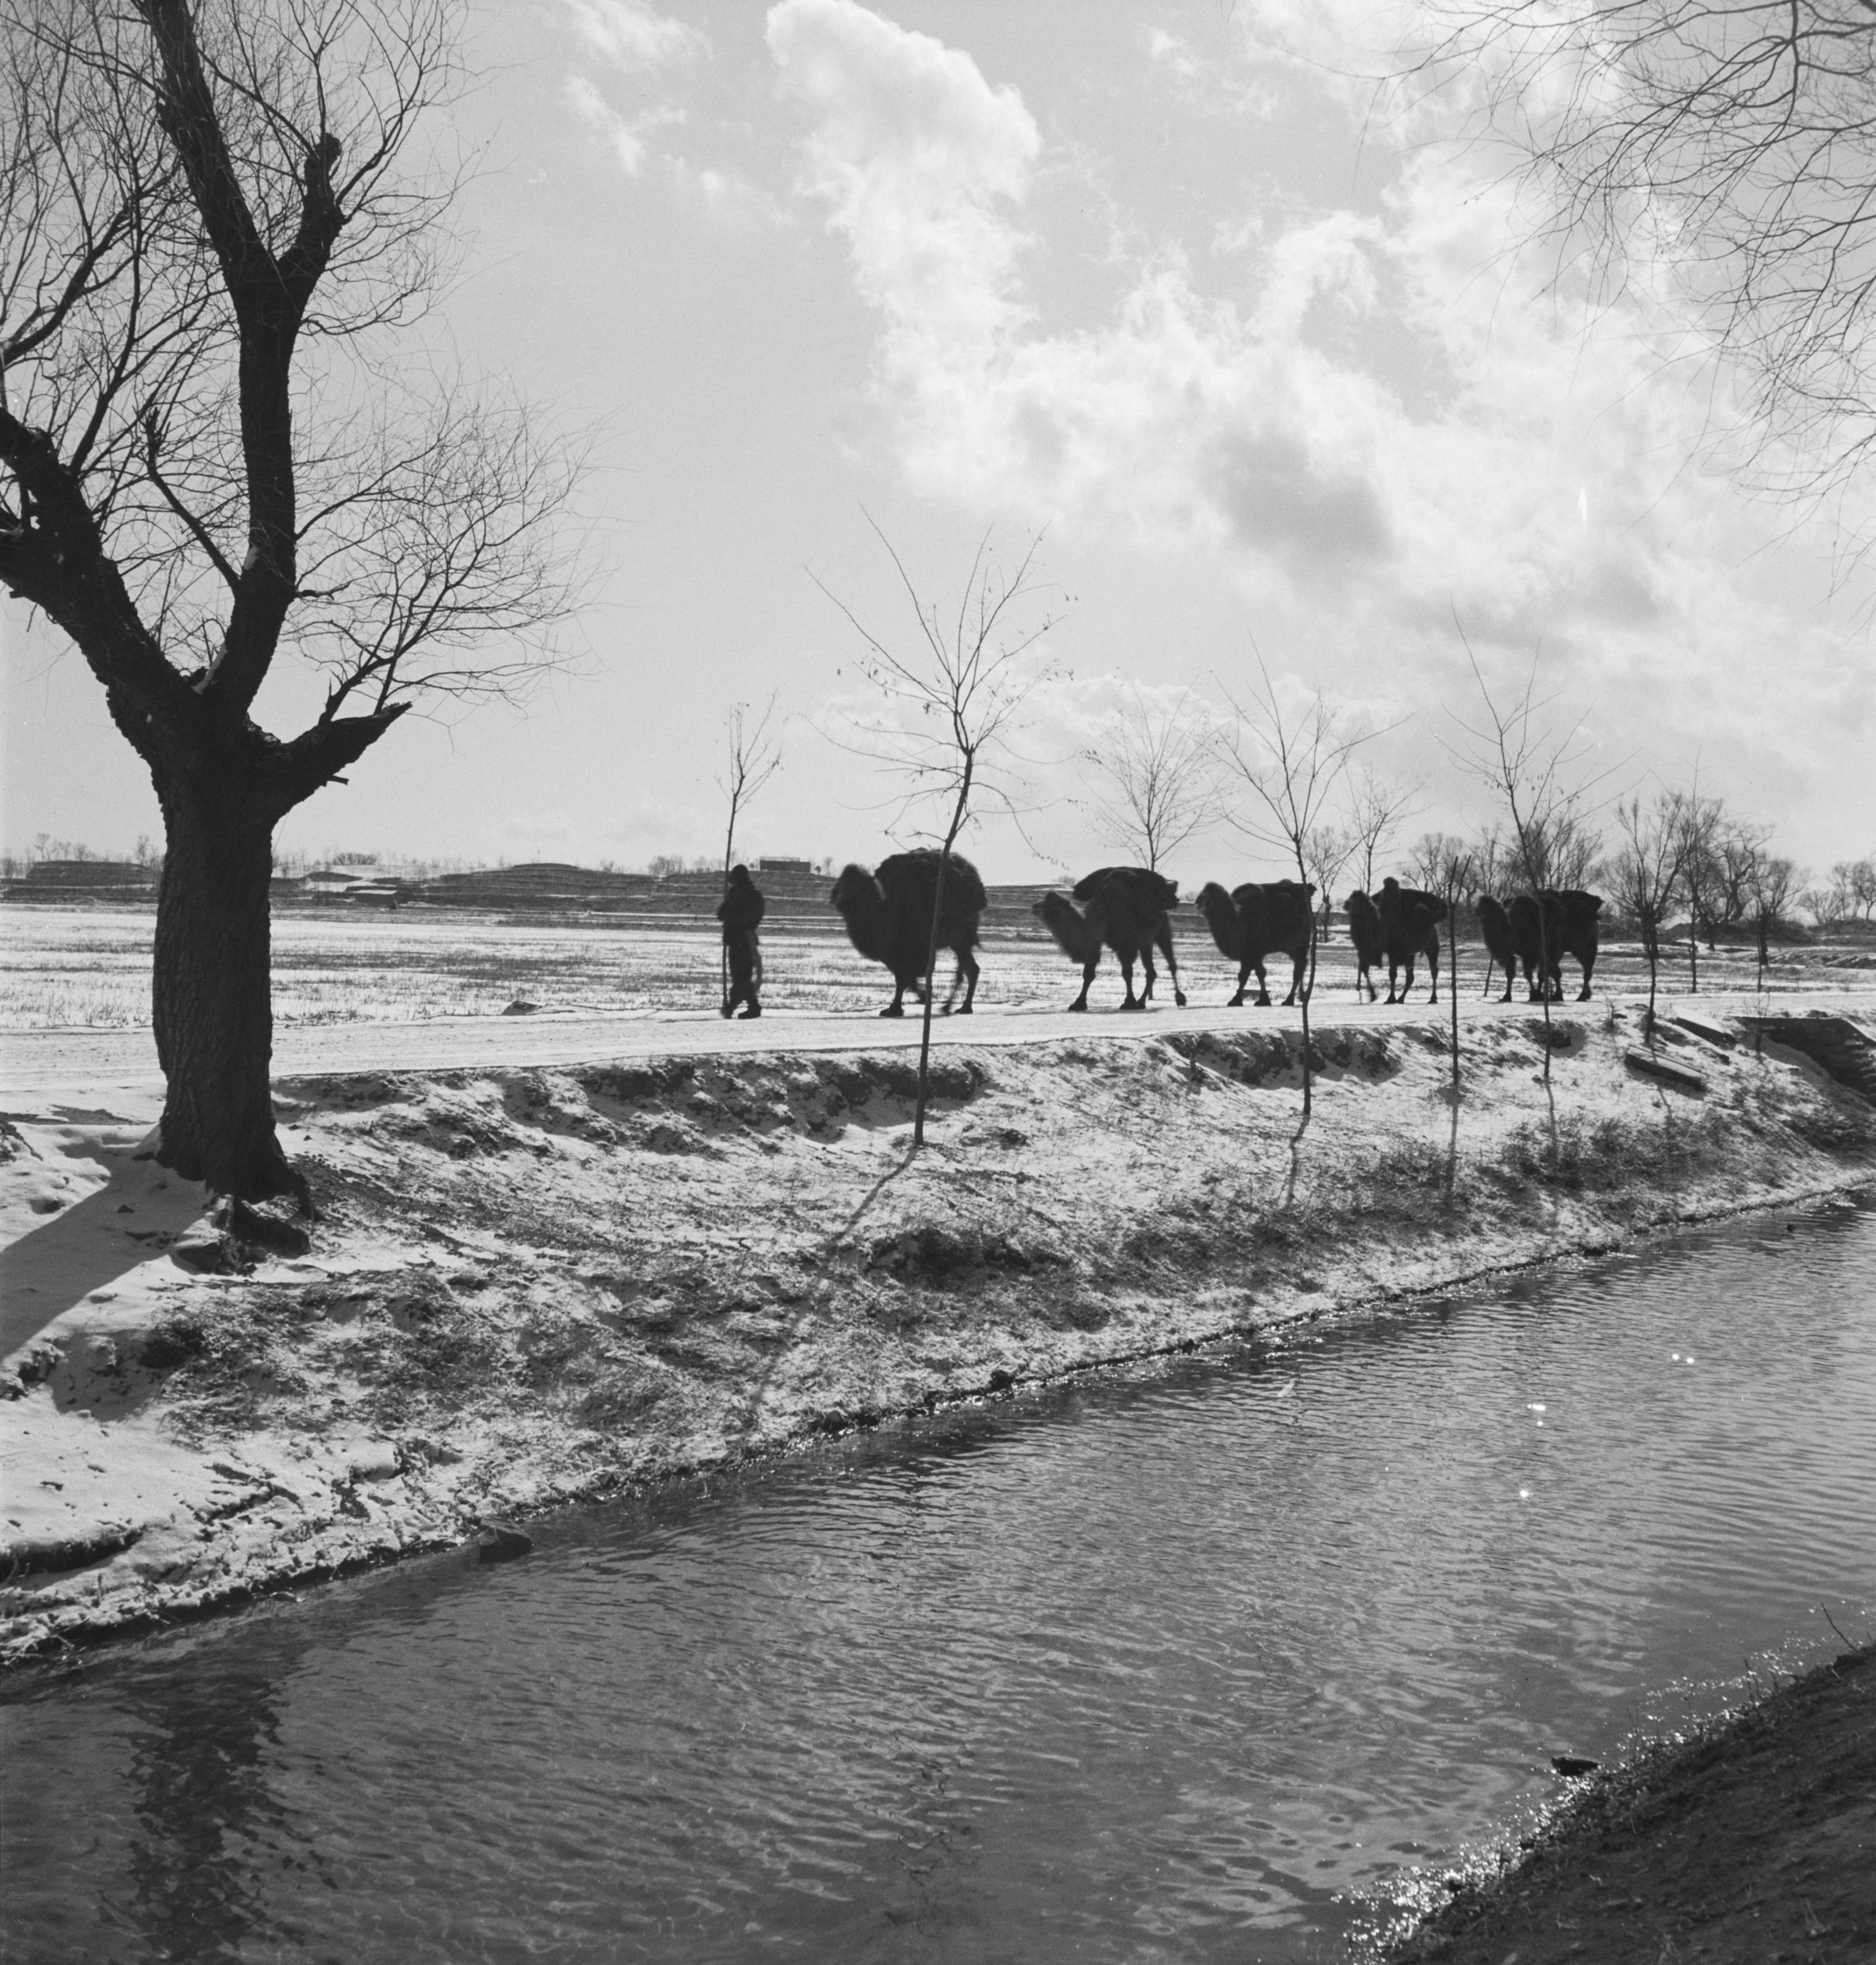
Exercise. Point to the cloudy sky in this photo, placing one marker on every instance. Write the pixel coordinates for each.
(1255, 353)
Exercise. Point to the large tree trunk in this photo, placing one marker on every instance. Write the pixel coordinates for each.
(211, 998)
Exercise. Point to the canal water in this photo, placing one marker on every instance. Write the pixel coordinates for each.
(1175, 1665)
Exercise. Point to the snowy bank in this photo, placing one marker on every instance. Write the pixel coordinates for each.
(529, 1286)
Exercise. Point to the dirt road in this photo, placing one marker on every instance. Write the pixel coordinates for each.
(83, 1066)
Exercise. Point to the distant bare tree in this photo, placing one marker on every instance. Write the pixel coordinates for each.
(951, 695)
(1740, 850)
(1854, 881)
(1377, 808)
(1775, 881)
(1155, 776)
(1326, 852)
(1539, 774)
(1448, 866)
(1290, 764)
(219, 221)
(1646, 872)
(1702, 819)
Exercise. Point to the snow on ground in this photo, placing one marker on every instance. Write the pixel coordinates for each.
(89, 968)
(554, 1256)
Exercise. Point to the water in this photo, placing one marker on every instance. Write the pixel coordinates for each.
(1164, 1667)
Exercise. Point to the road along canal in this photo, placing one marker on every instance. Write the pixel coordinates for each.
(1175, 1663)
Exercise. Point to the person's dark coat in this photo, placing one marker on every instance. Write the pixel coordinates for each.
(741, 912)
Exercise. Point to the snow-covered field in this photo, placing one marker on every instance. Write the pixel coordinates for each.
(89, 969)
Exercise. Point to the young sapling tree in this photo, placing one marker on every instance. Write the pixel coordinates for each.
(755, 756)
(1288, 763)
(949, 696)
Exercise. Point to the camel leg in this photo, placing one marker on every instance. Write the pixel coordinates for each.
(1432, 969)
(896, 1008)
(1152, 976)
(1298, 964)
(1589, 969)
(1244, 977)
(1394, 970)
(1087, 983)
(968, 968)
(1263, 988)
(1133, 1002)
(1172, 961)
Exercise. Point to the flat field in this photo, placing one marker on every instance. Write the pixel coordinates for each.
(89, 968)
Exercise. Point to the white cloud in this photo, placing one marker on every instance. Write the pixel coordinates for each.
(1396, 419)
(614, 130)
(634, 37)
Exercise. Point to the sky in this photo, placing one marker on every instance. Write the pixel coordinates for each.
(1251, 354)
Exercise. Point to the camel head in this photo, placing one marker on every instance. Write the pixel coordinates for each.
(1359, 898)
(1222, 916)
(1067, 923)
(856, 890)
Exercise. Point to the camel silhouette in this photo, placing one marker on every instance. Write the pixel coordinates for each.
(888, 914)
(1410, 927)
(1126, 910)
(1255, 921)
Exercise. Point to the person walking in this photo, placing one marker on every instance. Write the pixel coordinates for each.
(741, 912)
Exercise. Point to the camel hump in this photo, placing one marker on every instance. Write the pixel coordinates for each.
(1090, 884)
(1134, 887)
(916, 873)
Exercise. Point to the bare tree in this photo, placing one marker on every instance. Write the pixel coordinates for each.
(1647, 873)
(1377, 808)
(1774, 880)
(1155, 776)
(1538, 774)
(1738, 854)
(950, 697)
(1729, 139)
(1290, 765)
(1702, 819)
(1853, 888)
(1448, 867)
(1326, 852)
(755, 756)
(211, 237)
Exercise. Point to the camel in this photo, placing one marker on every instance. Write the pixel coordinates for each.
(1126, 911)
(1410, 921)
(888, 914)
(1256, 921)
(1500, 944)
(1564, 918)
(1364, 930)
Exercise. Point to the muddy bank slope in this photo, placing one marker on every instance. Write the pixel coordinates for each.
(528, 1286)
(1754, 1840)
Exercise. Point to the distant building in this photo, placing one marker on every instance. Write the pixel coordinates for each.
(785, 866)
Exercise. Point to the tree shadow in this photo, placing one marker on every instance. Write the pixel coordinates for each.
(759, 1391)
(137, 1212)
(1452, 1145)
(1295, 1165)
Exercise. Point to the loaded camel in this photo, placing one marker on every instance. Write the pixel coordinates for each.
(1501, 943)
(888, 914)
(1257, 921)
(1548, 925)
(1364, 930)
(1410, 927)
(1126, 910)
